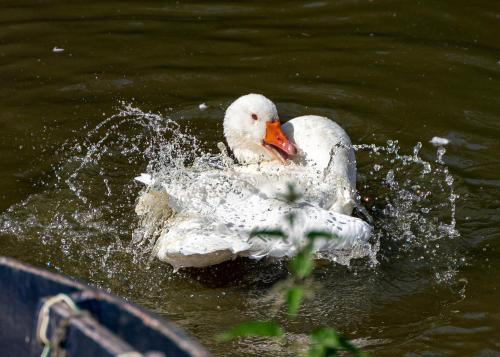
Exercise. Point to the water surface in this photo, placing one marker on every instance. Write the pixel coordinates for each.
(74, 131)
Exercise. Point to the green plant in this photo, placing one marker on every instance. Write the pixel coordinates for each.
(323, 341)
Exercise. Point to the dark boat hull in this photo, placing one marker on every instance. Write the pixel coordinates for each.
(104, 326)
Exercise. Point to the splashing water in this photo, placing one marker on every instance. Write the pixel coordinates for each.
(414, 205)
(87, 214)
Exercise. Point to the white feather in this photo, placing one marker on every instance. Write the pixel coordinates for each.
(215, 210)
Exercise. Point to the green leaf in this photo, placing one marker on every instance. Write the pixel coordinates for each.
(312, 235)
(326, 342)
(326, 337)
(275, 233)
(293, 298)
(322, 351)
(252, 328)
(291, 218)
(303, 264)
(292, 195)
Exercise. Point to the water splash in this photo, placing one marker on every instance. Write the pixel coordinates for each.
(84, 219)
(414, 205)
(87, 214)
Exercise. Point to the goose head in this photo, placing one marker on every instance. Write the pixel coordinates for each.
(253, 131)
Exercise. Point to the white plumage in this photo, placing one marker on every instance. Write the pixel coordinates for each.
(211, 212)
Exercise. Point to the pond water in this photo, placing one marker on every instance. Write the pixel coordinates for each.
(88, 93)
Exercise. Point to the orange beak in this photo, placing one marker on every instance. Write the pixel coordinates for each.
(276, 137)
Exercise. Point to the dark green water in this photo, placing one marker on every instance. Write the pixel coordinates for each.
(386, 70)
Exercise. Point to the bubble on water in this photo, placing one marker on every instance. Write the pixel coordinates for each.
(438, 141)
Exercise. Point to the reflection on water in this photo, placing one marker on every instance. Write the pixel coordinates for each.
(394, 75)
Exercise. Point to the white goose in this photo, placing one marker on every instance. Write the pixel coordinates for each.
(210, 216)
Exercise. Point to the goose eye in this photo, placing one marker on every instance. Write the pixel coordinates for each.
(255, 117)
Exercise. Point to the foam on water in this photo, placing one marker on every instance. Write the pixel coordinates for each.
(87, 214)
